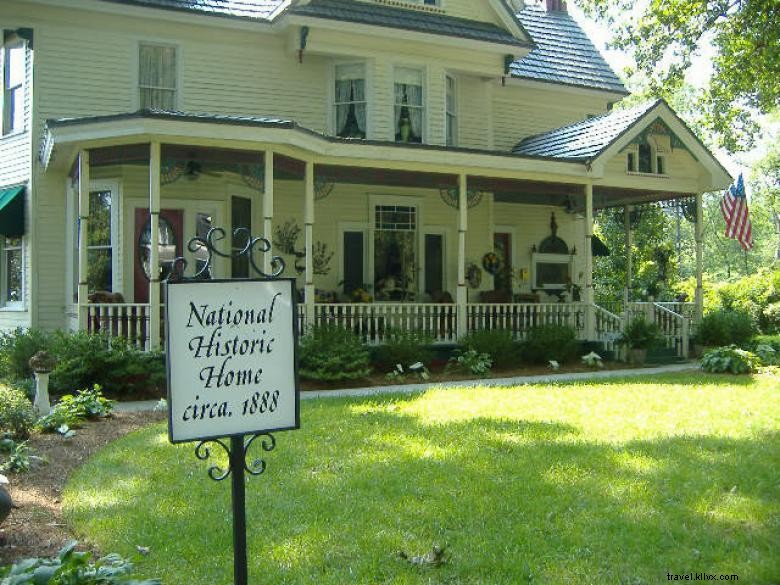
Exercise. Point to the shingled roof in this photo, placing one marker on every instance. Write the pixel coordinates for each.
(400, 18)
(587, 139)
(563, 54)
(250, 9)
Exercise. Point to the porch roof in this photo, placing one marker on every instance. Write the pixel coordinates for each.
(253, 9)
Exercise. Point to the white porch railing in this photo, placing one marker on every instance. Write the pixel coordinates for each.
(609, 327)
(519, 318)
(373, 321)
(675, 327)
(127, 320)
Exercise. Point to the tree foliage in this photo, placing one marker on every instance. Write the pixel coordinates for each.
(664, 36)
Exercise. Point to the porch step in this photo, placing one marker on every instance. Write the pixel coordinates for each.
(663, 356)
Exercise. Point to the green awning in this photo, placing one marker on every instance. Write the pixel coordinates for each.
(12, 211)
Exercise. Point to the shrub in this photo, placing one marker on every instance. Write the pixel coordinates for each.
(771, 340)
(16, 349)
(551, 342)
(119, 368)
(499, 344)
(72, 568)
(725, 327)
(730, 359)
(752, 295)
(332, 354)
(17, 415)
(469, 360)
(771, 318)
(404, 347)
(641, 334)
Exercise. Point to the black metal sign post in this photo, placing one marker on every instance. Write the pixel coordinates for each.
(240, 444)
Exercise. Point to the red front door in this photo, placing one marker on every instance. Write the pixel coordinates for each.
(170, 247)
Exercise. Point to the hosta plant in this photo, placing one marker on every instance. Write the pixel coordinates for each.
(730, 359)
(471, 361)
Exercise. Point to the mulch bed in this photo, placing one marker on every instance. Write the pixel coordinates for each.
(35, 527)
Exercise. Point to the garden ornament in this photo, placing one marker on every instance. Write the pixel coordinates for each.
(5, 499)
(42, 364)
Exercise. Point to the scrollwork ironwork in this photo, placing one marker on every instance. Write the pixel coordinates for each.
(256, 467)
(206, 249)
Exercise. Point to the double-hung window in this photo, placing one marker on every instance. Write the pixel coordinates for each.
(409, 105)
(350, 101)
(99, 242)
(13, 87)
(451, 108)
(157, 77)
(13, 271)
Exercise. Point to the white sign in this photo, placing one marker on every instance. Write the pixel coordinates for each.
(231, 348)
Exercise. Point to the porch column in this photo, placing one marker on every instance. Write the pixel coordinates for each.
(154, 246)
(462, 294)
(83, 286)
(308, 220)
(629, 256)
(699, 234)
(268, 207)
(589, 298)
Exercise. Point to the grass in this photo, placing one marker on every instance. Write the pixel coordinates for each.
(610, 483)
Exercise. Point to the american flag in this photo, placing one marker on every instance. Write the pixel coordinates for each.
(735, 211)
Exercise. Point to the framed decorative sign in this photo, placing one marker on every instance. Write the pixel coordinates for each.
(232, 357)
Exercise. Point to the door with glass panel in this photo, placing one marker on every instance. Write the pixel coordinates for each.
(170, 246)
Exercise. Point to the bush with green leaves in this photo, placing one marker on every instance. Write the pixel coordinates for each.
(551, 342)
(16, 349)
(470, 361)
(725, 327)
(17, 415)
(752, 295)
(771, 318)
(70, 567)
(499, 344)
(85, 359)
(641, 334)
(730, 359)
(771, 340)
(402, 346)
(74, 409)
(333, 354)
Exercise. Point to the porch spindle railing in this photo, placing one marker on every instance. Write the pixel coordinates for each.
(520, 317)
(675, 328)
(127, 320)
(374, 321)
(609, 327)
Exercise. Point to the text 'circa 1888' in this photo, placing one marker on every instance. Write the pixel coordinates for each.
(231, 358)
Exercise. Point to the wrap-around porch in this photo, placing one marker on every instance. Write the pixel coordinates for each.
(442, 219)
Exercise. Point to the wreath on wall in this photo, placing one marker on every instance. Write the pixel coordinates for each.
(473, 275)
(491, 263)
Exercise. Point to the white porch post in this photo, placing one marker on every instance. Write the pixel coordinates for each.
(629, 256)
(699, 298)
(83, 286)
(462, 294)
(590, 298)
(308, 220)
(154, 247)
(268, 207)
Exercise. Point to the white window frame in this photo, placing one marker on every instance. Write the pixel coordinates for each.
(21, 88)
(454, 113)
(332, 93)
(117, 277)
(179, 63)
(4, 249)
(425, 106)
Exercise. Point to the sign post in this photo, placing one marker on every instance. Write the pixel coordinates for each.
(231, 348)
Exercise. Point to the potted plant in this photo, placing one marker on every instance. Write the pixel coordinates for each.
(639, 336)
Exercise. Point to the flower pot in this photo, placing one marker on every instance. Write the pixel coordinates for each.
(637, 357)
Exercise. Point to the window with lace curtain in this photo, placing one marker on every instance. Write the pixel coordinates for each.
(350, 101)
(157, 77)
(409, 105)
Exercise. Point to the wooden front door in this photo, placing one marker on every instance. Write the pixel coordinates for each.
(170, 246)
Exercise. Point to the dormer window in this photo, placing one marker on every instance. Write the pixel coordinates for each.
(645, 159)
(350, 100)
(409, 105)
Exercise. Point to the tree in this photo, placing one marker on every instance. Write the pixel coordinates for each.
(664, 35)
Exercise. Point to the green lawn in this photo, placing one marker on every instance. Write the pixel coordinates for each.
(602, 483)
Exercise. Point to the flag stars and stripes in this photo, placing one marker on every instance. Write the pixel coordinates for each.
(734, 207)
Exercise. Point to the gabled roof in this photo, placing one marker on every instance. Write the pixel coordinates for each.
(587, 139)
(251, 9)
(400, 18)
(563, 54)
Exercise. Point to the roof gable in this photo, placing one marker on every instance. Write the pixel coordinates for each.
(564, 54)
(263, 10)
